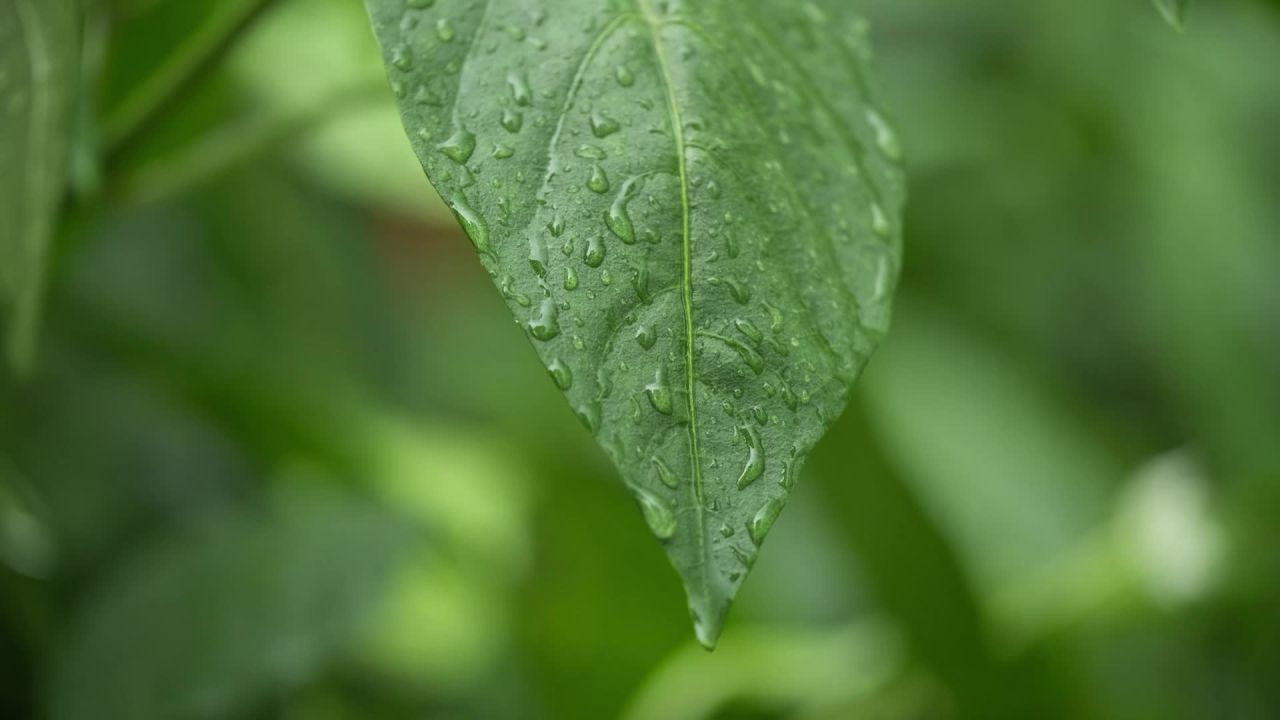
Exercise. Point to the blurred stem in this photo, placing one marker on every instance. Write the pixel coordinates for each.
(180, 73)
(229, 146)
(917, 576)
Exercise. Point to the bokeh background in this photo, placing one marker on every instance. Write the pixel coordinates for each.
(285, 455)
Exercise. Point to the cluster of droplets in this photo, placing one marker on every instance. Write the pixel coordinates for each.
(751, 340)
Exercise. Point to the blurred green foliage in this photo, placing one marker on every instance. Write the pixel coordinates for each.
(283, 453)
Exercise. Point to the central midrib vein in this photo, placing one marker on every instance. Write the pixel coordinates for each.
(677, 129)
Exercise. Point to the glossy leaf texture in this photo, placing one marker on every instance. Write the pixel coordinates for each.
(692, 208)
(39, 71)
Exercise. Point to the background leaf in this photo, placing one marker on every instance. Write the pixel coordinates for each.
(229, 614)
(694, 213)
(39, 68)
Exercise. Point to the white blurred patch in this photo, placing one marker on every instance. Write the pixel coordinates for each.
(1169, 532)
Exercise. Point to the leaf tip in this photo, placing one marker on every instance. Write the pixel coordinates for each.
(708, 614)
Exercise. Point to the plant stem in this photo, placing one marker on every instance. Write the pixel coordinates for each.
(180, 73)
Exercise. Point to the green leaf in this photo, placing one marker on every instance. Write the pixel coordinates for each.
(693, 210)
(1174, 11)
(207, 624)
(39, 69)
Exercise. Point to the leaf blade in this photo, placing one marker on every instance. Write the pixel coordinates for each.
(39, 67)
(685, 229)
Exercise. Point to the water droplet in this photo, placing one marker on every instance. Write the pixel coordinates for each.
(886, 138)
(547, 325)
(460, 146)
(570, 279)
(625, 77)
(402, 57)
(667, 477)
(471, 221)
(519, 89)
(602, 126)
(747, 328)
(590, 152)
(775, 318)
(512, 121)
(598, 182)
(538, 255)
(659, 392)
(594, 254)
(561, 373)
(606, 277)
(755, 462)
(764, 519)
(657, 514)
(726, 531)
(640, 283)
(880, 222)
(502, 152)
(740, 293)
(759, 414)
(556, 226)
(444, 30)
(424, 96)
(748, 354)
(646, 336)
(619, 220)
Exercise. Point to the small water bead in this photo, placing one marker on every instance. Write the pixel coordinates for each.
(516, 33)
(502, 152)
(402, 57)
(880, 222)
(444, 30)
(424, 96)
(460, 146)
(512, 121)
(640, 283)
(547, 325)
(726, 531)
(747, 328)
(667, 477)
(657, 514)
(471, 222)
(659, 393)
(519, 86)
(538, 255)
(594, 254)
(561, 374)
(570, 279)
(740, 293)
(625, 77)
(755, 461)
(590, 152)
(598, 182)
(606, 277)
(886, 138)
(602, 126)
(646, 336)
(618, 220)
(764, 519)
(759, 414)
(752, 358)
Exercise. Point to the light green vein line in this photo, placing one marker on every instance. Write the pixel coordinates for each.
(677, 129)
